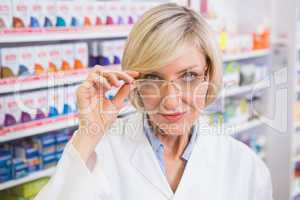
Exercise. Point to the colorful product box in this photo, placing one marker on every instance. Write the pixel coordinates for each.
(60, 99)
(53, 102)
(2, 111)
(42, 60)
(9, 62)
(55, 57)
(67, 52)
(94, 55)
(5, 164)
(69, 99)
(62, 139)
(49, 160)
(29, 152)
(21, 18)
(133, 9)
(80, 55)
(112, 15)
(101, 12)
(77, 14)
(36, 13)
(63, 15)
(120, 12)
(12, 112)
(5, 14)
(106, 52)
(19, 168)
(26, 65)
(50, 11)
(41, 102)
(90, 16)
(45, 144)
(27, 106)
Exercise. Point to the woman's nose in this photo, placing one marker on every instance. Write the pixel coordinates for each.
(170, 97)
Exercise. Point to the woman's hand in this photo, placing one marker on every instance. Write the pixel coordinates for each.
(96, 112)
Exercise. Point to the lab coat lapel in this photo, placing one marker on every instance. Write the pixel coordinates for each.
(145, 162)
(200, 178)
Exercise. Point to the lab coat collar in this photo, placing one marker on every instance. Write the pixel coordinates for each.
(144, 160)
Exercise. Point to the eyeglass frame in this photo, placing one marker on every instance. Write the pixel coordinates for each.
(205, 77)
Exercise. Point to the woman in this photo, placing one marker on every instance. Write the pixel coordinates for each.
(171, 72)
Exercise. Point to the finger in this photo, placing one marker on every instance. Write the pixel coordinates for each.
(112, 78)
(100, 82)
(124, 76)
(121, 95)
(133, 74)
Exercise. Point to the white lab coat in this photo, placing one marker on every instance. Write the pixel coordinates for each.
(220, 168)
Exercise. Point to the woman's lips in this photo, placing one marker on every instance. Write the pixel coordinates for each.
(173, 117)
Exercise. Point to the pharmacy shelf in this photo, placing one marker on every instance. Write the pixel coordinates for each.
(28, 178)
(233, 129)
(47, 125)
(24, 83)
(37, 127)
(65, 34)
(246, 55)
(238, 90)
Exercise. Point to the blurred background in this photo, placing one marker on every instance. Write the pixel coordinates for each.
(47, 47)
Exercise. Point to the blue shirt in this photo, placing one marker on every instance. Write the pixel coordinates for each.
(158, 147)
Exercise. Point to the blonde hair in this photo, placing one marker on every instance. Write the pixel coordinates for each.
(157, 38)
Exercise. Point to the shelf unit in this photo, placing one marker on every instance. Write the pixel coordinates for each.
(31, 177)
(71, 77)
(246, 55)
(282, 139)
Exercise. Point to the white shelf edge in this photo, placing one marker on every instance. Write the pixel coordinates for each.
(30, 177)
(104, 32)
(50, 80)
(233, 129)
(36, 130)
(236, 90)
(246, 55)
(53, 126)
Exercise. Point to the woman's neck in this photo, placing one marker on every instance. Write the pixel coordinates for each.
(174, 145)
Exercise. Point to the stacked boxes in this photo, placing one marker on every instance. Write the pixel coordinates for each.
(34, 105)
(5, 163)
(22, 157)
(51, 13)
(106, 52)
(22, 61)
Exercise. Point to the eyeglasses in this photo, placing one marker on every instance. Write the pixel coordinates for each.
(152, 84)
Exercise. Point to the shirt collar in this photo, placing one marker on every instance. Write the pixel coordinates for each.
(157, 145)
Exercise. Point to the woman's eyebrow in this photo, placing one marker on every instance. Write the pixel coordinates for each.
(188, 68)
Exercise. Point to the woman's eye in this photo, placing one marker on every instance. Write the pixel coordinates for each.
(189, 76)
(151, 77)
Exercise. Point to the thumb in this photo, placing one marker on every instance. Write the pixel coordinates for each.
(121, 95)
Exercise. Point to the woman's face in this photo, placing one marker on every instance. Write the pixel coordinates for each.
(174, 106)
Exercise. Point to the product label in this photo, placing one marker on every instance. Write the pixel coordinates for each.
(5, 14)
(21, 16)
(10, 62)
(81, 55)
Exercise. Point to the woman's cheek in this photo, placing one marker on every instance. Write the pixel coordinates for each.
(198, 98)
(151, 104)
